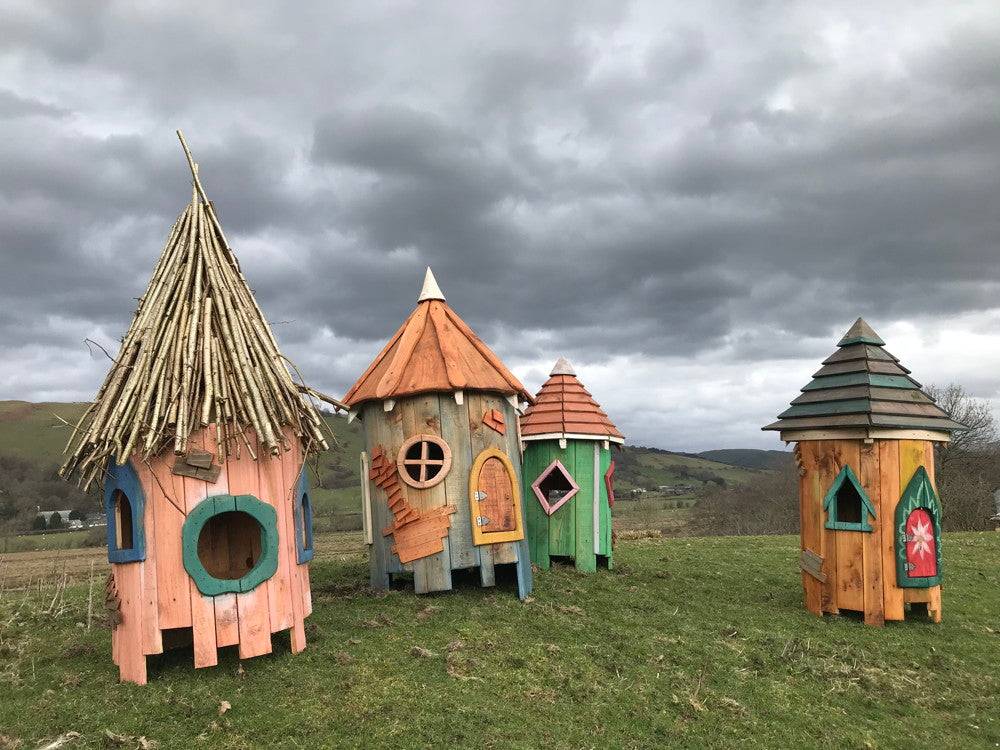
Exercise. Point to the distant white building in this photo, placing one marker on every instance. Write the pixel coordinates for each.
(47, 515)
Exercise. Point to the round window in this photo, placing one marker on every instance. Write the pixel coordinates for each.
(424, 460)
(229, 544)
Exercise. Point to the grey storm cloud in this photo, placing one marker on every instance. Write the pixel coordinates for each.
(688, 200)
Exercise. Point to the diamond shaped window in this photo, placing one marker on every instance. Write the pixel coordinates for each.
(554, 487)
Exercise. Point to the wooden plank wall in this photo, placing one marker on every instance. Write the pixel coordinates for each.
(604, 547)
(461, 427)
(860, 567)
(158, 594)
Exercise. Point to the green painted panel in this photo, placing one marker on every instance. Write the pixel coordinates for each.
(827, 407)
(562, 523)
(861, 378)
(605, 507)
(535, 455)
(584, 556)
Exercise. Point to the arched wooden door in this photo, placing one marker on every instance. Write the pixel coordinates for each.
(921, 547)
(495, 499)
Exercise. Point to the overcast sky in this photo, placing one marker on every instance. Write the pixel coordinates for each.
(691, 203)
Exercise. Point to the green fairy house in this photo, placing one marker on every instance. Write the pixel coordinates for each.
(568, 473)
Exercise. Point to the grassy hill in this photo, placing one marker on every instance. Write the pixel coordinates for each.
(687, 643)
(38, 432)
(750, 458)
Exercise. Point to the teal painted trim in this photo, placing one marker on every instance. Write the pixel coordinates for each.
(830, 503)
(861, 378)
(266, 566)
(123, 477)
(821, 408)
(876, 341)
(304, 520)
(919, 493)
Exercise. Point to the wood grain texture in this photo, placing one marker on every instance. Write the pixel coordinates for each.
(274, 493)
(536, 458)
(583, 553)
(811, 518)
(298, 581)
(375, 436)
(455, 431)
(131, 659)
(870, 476)
(890, 494)
(152, 640)
(203, 624)
(173, 594)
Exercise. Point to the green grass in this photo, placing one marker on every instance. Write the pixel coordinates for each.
(687, 643)
(58, 540)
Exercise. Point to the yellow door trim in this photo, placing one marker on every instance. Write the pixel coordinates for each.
(479, 535)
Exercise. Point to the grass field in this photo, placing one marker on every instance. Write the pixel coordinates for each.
(689, 642)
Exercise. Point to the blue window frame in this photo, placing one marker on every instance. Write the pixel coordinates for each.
(124, 506)
(847, 505)
(303, 521)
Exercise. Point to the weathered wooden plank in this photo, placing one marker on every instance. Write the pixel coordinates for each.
(811, 520)
(583, 552)
(889, 492)
(203, 625)
(504, 553)
(562, 523)
(481, 437)
(850, 570)
(253, 608)
(871, 483)
(131, 659)
(829, 464)
(535, 461)
(375, 437)
(273, 492)
(512, 438)
(173, 595)
(298, 581)
(812, 564)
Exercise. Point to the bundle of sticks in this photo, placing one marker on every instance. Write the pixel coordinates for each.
(198, 352)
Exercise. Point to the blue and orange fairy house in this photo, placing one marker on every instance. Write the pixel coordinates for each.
(198, 436)
(442, 456)
(870, 514)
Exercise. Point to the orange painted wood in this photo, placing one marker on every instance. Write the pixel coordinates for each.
(165, 495)
(131, 659)
(152, 640)
(434, 351)
(810, 510)
(498, 504)
(850, 570)
(889, 493)
(826, 469)
(253, 622)
(203, 625)
(563, 405)
(870, 477)
(298, 582)
(273, 492)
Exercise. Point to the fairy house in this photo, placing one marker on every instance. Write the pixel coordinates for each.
(442, 457)
(568, 473)
(198, 436)
(870, 514)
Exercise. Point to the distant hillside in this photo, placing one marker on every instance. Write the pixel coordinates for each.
(749, 458)
(32, 438)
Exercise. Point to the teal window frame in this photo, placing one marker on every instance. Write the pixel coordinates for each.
(303, 521)
(267, 564)
(919, 493)
(123, 478)
(830, 503)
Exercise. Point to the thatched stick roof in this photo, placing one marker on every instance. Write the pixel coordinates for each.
(198, 352)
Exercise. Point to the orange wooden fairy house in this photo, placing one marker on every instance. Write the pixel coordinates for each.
(568, 472)
(442, 457)
(870, 514)
(198, 436)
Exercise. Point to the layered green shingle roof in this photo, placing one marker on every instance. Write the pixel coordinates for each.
(861, 385)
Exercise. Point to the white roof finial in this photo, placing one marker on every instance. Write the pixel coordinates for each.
(562, 367)
(430, 290)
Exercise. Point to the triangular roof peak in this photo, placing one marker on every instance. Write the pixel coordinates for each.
(562, 367)
(430, 289)
(861, 333)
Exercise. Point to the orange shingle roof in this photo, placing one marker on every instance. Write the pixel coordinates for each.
(434, 350)
(563, 407)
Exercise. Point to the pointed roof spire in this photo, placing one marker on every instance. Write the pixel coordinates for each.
(861, 333)
(863, 387)
(430, 289)
(562, 367)
(564, 408)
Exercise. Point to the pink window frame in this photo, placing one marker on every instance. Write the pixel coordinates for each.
(536, 487)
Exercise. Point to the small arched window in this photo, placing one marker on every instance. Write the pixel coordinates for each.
(303, 521)
(124, 506)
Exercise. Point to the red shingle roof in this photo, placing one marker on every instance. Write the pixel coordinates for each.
(564, 408)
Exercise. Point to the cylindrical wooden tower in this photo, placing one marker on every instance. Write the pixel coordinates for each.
(198, 436)
(870, 514)
(568, 473)
(442, 458)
